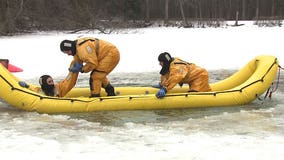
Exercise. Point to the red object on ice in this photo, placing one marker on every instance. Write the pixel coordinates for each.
(13, 68)
(10, 67)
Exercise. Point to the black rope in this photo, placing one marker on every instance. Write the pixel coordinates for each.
(271, 90)
(277, 82)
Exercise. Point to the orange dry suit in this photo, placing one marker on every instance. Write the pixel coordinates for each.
(99, 58)
(62, 87)
(181, 72)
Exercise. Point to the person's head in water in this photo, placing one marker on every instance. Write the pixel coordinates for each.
(165, 60)
(47, 85)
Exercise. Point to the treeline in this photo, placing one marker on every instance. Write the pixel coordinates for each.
(17, 16)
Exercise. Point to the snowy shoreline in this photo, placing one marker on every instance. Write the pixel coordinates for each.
(213, 48)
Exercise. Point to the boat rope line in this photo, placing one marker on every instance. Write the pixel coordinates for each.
(273, 89)
(141, 96)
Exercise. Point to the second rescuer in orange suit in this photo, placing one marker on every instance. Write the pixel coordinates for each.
(176, 71)
(98, 56)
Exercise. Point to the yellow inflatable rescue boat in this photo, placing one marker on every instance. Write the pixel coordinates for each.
(241, 88)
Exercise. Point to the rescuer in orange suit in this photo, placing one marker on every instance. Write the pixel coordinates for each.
(98, 56)
(176, 71)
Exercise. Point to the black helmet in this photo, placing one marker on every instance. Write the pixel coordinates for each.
(166, 58)
(67, 45)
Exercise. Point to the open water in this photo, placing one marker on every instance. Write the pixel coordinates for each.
(253, 131)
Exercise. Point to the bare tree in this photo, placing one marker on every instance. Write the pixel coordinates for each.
(273, 8)
(257, 10)
(147, 11)
(244, 9)
(166, 12)
(182, 11)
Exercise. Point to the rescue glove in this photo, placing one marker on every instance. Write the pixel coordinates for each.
(161, 93)
(23, 84)
(77, 67)
(157, 86)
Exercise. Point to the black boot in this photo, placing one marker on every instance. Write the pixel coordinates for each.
(110, 90)
(95, 95)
